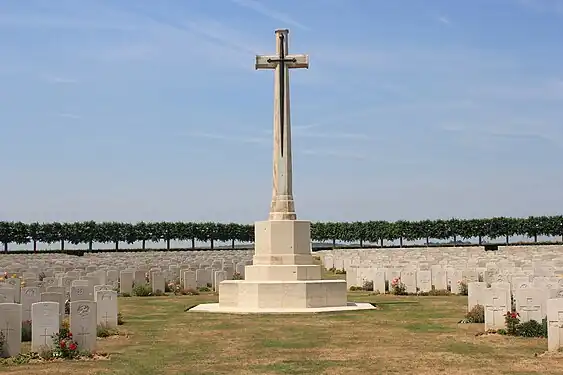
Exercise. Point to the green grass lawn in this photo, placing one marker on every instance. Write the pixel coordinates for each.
(412, 335)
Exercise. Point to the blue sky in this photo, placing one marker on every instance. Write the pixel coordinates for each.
(145, 110)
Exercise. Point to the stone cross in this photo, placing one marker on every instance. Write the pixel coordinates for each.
(45, 335)
(283, 205)
(81, 335)
(495, 307)
(7, 330)
(106, 318)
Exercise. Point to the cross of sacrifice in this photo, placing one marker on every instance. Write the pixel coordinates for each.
(283, 207)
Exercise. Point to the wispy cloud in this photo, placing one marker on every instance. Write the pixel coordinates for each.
(58, 79)
(268, 12)
(507, 132)
(40, 21)
(71, 116)
(445, 20)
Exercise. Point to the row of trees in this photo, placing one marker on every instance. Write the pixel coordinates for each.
(374, 232)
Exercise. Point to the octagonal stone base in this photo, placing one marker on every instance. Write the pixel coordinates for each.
(304, 296)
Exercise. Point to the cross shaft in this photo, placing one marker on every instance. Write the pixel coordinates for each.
(282, 206)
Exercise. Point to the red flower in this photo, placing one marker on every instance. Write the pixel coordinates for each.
(72, 346)
(69, 334)
(62, 344)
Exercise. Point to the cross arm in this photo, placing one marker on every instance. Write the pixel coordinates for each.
(291, 61)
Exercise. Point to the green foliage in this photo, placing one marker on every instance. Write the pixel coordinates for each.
(462, 288)
(476, 314)
(532, 328)
(2, 341)
(398, 287)
(439, 292)
(237, 276)
(374, 232)
(511, 321)
(204, 289)
(142, 290)
(105, 331)
(120, 320)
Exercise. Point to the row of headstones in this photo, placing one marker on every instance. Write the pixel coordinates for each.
(30, 296)
(443, 278)
(531, 303)
(82, 285)
(414, 281)
(36, 264)
(46, 319)
(456, 257)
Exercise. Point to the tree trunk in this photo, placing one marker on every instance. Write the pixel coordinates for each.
(34, 246)
(455, 240)
(233, 244)
(480, 240)
(507, 239)
(334, 243)
(361, 243)
(5, 247)
(401, 241)
(427, 241)
(168, 244)
(193, 243)
(144, 244)
(116, 245)
(535, 238)
(62, 245)
(211, 241)
(381, 242)
(90, 243)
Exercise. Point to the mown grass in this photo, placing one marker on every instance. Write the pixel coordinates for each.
(412, 335)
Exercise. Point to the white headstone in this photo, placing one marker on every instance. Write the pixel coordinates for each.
(45, 323)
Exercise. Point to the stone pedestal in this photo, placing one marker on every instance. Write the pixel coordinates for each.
(283, 277)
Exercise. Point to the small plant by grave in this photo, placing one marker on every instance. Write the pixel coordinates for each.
(64, 345)
(174, 287)
(355, 288)
(158, 293)
(367, 285)
(511, 320)
(237, 276)
(2, 340)
(475, 315)
(439, 292)
(462, 288)
(204, 289)
(397, 287)
(126, 295)
(120, 320)
(26, 331)
(142, 290)
(532, 328)
(105, 331)
(190, 292)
